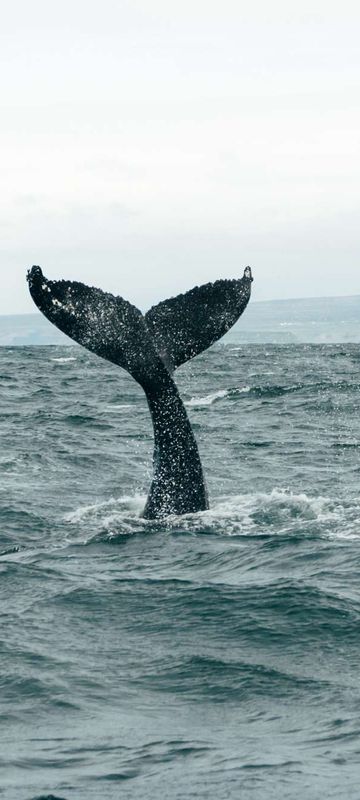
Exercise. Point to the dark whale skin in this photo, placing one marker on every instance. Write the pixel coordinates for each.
(150, 348)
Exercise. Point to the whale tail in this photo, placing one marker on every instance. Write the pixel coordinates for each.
(150, 347)
(175, 330)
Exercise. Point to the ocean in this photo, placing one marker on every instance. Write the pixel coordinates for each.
(214, 655)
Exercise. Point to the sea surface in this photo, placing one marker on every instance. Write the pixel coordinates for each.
(215, 655)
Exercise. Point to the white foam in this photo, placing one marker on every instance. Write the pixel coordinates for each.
(278, 512)
(132, 504)
(284, 511)
(64, 360)
(208, 400)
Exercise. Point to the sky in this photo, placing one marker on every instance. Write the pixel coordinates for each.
(149, 146)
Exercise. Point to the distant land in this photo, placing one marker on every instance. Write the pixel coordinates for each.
(318, 320)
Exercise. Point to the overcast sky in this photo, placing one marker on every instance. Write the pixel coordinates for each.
(150, 145)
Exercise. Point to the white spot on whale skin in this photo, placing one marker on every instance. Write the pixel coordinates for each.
(67, 307)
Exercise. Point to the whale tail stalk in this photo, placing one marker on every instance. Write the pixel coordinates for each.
(150, 348)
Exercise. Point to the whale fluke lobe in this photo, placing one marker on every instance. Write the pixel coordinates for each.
(106, 325)
(150, 348)
(184, 326)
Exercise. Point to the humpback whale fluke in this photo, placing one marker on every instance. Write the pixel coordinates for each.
(150, 348)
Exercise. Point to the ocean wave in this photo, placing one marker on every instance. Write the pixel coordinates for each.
(10, 551)
(280, 512)
(33, 690)
(110, 518)
(114, 409)
(133, 503)
(79, 420)
(222, 678)
(48, 797)
(258, 392)
(314, 394)
(209, 399)
(64, 360)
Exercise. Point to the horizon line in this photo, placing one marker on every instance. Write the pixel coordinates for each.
(253, 302)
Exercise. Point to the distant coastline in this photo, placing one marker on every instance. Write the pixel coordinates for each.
(318, 320)
(29, 329)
